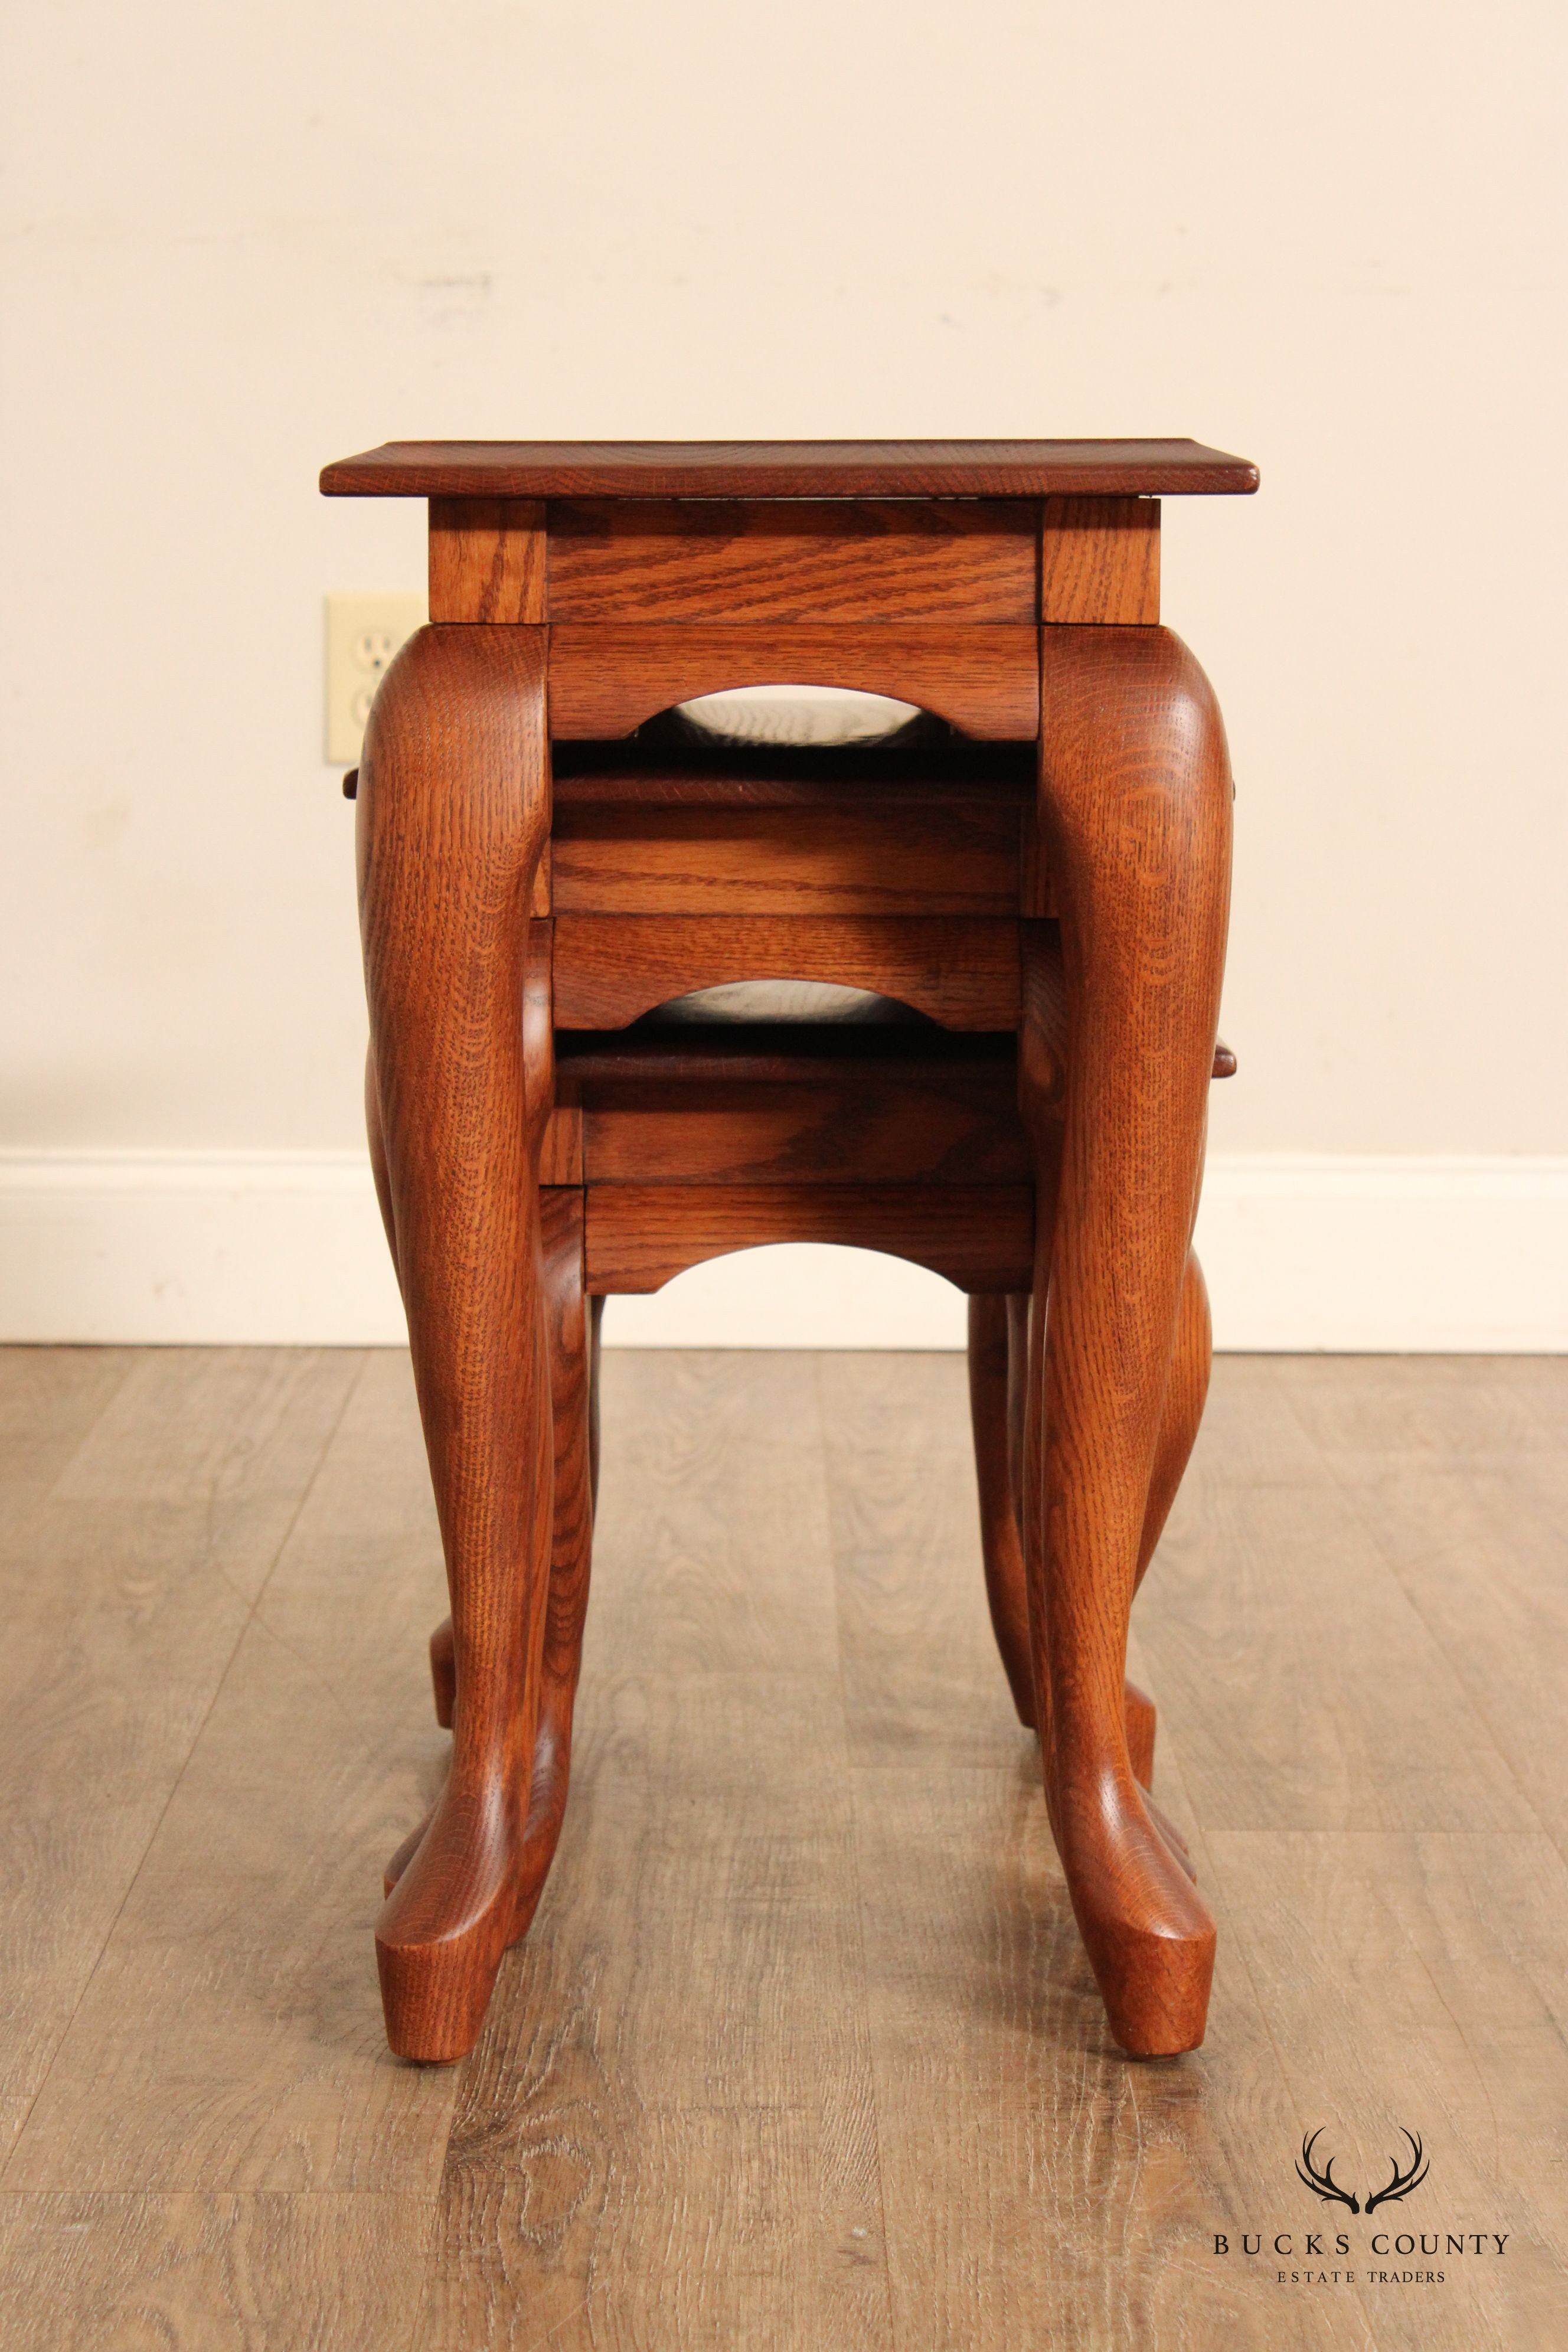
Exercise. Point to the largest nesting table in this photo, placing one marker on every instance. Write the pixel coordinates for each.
(1046, 887)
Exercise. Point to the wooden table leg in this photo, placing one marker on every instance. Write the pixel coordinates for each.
(453, 813)
(1135, 810)
(998, 1372)
(990, 1393)
(574, 1338)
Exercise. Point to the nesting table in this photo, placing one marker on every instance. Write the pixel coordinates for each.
(1029, 891)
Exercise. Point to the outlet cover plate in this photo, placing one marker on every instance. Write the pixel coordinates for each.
(362, 635)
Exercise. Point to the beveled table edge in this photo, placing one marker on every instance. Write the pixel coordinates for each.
(788, 469)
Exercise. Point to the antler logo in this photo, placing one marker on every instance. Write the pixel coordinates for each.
(1323, 2184)
(1402, 2182)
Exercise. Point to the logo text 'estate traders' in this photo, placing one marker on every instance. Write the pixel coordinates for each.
(1319, 2257)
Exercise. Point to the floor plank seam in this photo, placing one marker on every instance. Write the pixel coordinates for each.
(1367, 1521)
(178, 1781)
(752, 2022)
(47, 1494)
(858, 1880)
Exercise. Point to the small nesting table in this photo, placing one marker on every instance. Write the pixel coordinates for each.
(1034, 883)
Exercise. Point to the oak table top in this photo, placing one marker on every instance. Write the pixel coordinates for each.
(786, 470)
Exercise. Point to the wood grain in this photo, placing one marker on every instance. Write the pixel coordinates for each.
(1435, 1414)
(607, 678)
(453, 812)
(961, 970)
(916, 1657)
(50, 1399)
(631, 2164)
(569, 1329)
(487, 559)
(1479, 1555)
(1135, 802)
(1434, 2002)
(230, 2037)
(163, 1486)
(191, 2274)
(1091, 2189)
(785, 469)
(712, 1556)
(1111, 979)
(998, 1374)
(596, 2122)
(1457, 1471)
(860, 1122)
(561, 1158)
(1283, 1722)
(798, 1783)
(210, 1450)
(980, 1236)
(861, 559)
(995, 1419)
(1100, 561)
(855, 854)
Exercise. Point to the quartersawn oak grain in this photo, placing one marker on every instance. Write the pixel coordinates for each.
(843, 559)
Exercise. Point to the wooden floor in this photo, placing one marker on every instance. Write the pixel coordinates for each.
(802, 2051)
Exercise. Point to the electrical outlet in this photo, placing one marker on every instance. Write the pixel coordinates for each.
(362, 635)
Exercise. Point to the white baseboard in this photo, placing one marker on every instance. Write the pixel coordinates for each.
(1397, 1255)
(246, 1247)
(217, 1248)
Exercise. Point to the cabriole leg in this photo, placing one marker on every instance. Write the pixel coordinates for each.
(998, 1361)
(990, 1399)
(574, 1382)
(573, 1375)
(1135, 811)
(453, 812)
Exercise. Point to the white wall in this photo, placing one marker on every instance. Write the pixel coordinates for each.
(239, 242)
